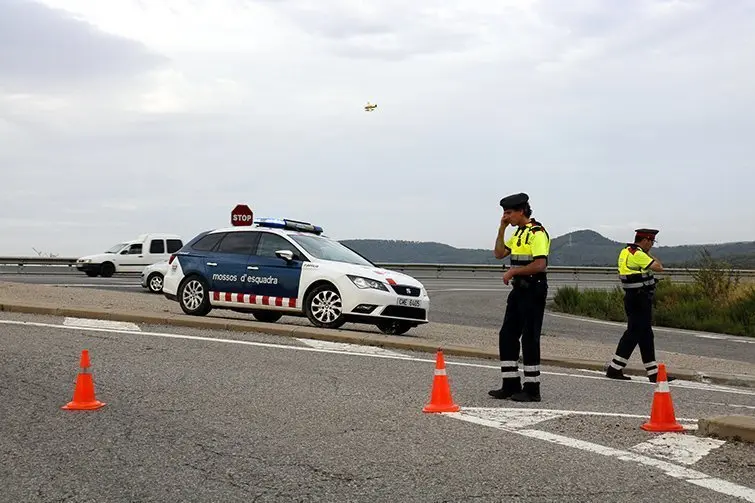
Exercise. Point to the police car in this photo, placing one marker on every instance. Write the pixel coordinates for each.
(279, 267)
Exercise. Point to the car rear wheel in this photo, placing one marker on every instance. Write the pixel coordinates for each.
(266, 316)
(107, 269)
(394, 327)
(324, 308)
(193, 296)
(155, 282)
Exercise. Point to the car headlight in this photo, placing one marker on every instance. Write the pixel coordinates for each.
(361, 282)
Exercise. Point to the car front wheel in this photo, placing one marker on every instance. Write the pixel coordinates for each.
(324, 307)
(193, 295)
(107, 269)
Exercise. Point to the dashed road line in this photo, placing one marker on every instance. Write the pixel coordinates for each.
(353, 348)
(734, 405)
(520, 426)
(95, 323)
(95, 285)
(502, 415)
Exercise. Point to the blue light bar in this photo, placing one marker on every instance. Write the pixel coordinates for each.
(285, 223)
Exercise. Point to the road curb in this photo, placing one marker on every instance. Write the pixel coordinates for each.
(733, 427)
(384, 341)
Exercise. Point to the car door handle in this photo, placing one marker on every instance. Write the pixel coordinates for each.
(212, 263)
(252, 267)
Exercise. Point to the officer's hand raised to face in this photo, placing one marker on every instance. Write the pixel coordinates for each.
(505, 221)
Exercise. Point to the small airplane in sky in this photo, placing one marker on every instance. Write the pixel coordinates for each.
(369, 107)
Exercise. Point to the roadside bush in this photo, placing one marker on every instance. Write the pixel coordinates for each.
(606, 305)
(715, 301)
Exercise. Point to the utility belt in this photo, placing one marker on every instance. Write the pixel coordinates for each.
(637, 281)
(648, 290)
(529, 280)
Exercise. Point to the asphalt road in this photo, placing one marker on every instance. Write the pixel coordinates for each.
(481, 302)
(196, 415)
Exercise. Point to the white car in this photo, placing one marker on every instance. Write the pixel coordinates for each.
(152, 276)
(131, 256)
(279, 267)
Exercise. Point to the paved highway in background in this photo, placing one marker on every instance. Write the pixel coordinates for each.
(199, 415)
(486, 281)
(480, 303)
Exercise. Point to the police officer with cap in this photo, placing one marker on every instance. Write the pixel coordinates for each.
(528, 248)
(636, 267)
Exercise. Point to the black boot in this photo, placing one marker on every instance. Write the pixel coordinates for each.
(530, 393)
(508, 388)
(616, 374)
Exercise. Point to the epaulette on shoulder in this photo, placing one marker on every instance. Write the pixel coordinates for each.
(536, 228)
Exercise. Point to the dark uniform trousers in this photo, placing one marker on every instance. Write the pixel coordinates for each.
(638, 305)
(525, 308)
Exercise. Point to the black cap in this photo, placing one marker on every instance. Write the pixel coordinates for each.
(514, 201)
(646, 233)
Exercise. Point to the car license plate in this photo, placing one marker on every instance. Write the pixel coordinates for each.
(402, 301)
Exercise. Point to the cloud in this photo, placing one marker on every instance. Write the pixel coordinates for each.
(394, 30)
(46, 50)
(577, 103)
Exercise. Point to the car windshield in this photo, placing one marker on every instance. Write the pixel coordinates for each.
(116, 248)
(327, 249)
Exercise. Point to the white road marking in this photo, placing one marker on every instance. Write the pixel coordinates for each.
(678, 447)
(702, 335)
(466, 290)
(514, 418)
(702, 387)
(94, 323)
(734, 405)
(670, 469)
(110, 285)
(354, 348)
(679, 383)
(493, 411)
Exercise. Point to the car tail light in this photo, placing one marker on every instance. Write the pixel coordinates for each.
(170, 260)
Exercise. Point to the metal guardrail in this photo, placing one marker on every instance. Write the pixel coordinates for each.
(50, 265)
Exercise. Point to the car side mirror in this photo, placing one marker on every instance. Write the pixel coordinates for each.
(286, 255)
(124, 252)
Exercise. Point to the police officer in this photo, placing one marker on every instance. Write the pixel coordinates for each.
(528, 248)
(636, 267)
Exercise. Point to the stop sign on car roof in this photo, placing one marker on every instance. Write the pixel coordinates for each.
(241, 215)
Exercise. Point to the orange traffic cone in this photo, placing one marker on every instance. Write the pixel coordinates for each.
(662, 416)
(440, 396)
(83, 393)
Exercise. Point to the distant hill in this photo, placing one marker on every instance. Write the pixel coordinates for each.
(579, 248)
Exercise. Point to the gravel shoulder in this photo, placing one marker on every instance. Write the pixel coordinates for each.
(486, 339)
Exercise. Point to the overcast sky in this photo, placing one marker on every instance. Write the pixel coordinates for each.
(121, 117)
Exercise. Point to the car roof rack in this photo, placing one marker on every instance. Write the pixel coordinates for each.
(288, 224)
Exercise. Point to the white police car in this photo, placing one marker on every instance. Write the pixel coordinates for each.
(282, 267)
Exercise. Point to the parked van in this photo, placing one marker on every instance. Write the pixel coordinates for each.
(131, 256)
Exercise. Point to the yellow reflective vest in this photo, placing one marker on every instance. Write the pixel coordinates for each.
(528, 243)
(634, 268)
